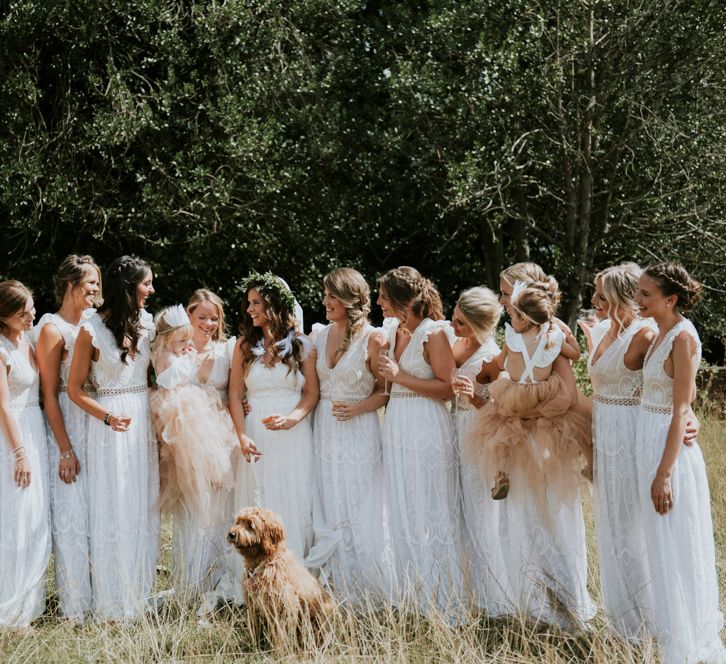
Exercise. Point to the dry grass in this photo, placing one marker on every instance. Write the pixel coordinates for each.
(173, 635)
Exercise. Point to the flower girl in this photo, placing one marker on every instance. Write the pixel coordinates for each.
(194, 430)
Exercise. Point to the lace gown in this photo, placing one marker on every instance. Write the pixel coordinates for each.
(349, 474)
(624, 579)
(25, 537)
(123, 480)
(486, 575)
(420, 462)
(680, 547)
(200, 551)
(69, 502)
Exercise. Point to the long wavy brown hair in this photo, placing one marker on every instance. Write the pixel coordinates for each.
(351, 289)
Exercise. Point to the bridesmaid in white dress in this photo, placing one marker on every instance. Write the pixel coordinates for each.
(275, 364)
(672, 481)
(113, 352)
(420, 459)
(617, 347)
(475, 319)
(200, 551)
(78, 284)
(347, 438)
(25, 538)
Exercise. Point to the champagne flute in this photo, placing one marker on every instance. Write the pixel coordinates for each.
(456, 372)
(384, 353)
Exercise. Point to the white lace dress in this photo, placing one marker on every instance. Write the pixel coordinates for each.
(421, 468)
(486, 577)
(69, 502)
(680, 547)
(123, 480)
(624, 579)
(200, 552)
(25, 537)
(349, 475)
(284, 474)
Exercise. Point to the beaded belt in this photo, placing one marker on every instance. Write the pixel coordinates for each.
(461, 408)
(27, 404)
(86, 388)
(118, 391)
(655, 408)
(616, 401)
(324, 396)
(407, 394)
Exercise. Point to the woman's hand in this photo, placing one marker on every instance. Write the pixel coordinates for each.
(344, 411)
(246, 407)
(388, 368)
(462, 386)
(662, 494)
(277, 422)
(693, 426)
(22, 472)
(119, 423)
(249, 449)
(68, 467)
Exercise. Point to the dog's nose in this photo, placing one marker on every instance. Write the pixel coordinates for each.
(232, 536)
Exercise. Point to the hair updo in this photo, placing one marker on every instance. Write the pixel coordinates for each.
(406, 286)
(480, 308)
(13, 298)
(673, 279)
(73, 270)
(534, 302)
(533, 274)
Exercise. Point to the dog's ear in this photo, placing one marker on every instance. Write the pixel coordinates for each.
(271, 531)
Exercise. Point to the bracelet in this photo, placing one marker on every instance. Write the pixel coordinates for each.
(107, 419)
(68, 455)
(20, 449)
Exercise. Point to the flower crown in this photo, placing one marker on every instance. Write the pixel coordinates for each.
(268, 282)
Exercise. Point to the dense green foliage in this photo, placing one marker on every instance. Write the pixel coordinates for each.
(300, 135)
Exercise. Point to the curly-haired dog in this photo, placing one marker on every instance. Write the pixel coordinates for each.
(281, 595)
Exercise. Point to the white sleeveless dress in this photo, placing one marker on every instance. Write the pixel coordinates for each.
(25, 537)
(421, 468)
(680, 547)
(200, 551)
(123, 480)
(349, 475)
(485, 570)
(546, 562)
(624, 578)
(69, 502)
(284, 474)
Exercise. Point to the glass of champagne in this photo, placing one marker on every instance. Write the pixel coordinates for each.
(384, 353)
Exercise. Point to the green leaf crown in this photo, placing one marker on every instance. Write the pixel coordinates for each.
(268, 282)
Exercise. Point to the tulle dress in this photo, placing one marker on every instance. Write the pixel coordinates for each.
(486, 576)
(349, 475)
(69, 502)
(680, 547)
(421, 469)
(541, 529)
(196, 439)
(25, 536)
(284, 474)
(123, 479)
(624, 578)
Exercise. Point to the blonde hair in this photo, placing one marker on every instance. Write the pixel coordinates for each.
(13, 298)
(73, 270)
(482, 311)
(619, 286)
(352, 290)
(531, 273)
(203, 295)
(167, 334)
(406, 286)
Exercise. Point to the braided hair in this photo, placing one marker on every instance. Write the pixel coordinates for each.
(406, 286)
(120, 309)
(673, 279)
(351, 289)
(73, 270)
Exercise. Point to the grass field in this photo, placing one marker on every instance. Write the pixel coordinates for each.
(373, 636)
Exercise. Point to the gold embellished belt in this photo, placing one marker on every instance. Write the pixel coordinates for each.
(616, 401)
(324, 396)
(28, 404)
(118, 391)
(655, 408)
(407, 394)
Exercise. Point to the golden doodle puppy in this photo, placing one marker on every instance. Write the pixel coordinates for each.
(283, 599)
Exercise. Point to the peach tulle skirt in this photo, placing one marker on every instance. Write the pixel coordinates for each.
(534, 429)
(196, 439)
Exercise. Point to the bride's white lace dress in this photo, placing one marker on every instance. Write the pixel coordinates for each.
(680, 548)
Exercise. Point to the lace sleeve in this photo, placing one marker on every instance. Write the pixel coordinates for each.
(229, 347)
(443, 325)
(315, 331)
(513, 339)
(91, 326)
(547, 353)
(4, 357)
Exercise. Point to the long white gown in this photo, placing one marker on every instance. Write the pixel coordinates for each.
(349, 475)
(680, 547)
(200, 551)
(69, 502)
(25, 537)
(123, 480)
(284, 474)
(624, 578)
(421, 468)
(486, 576)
